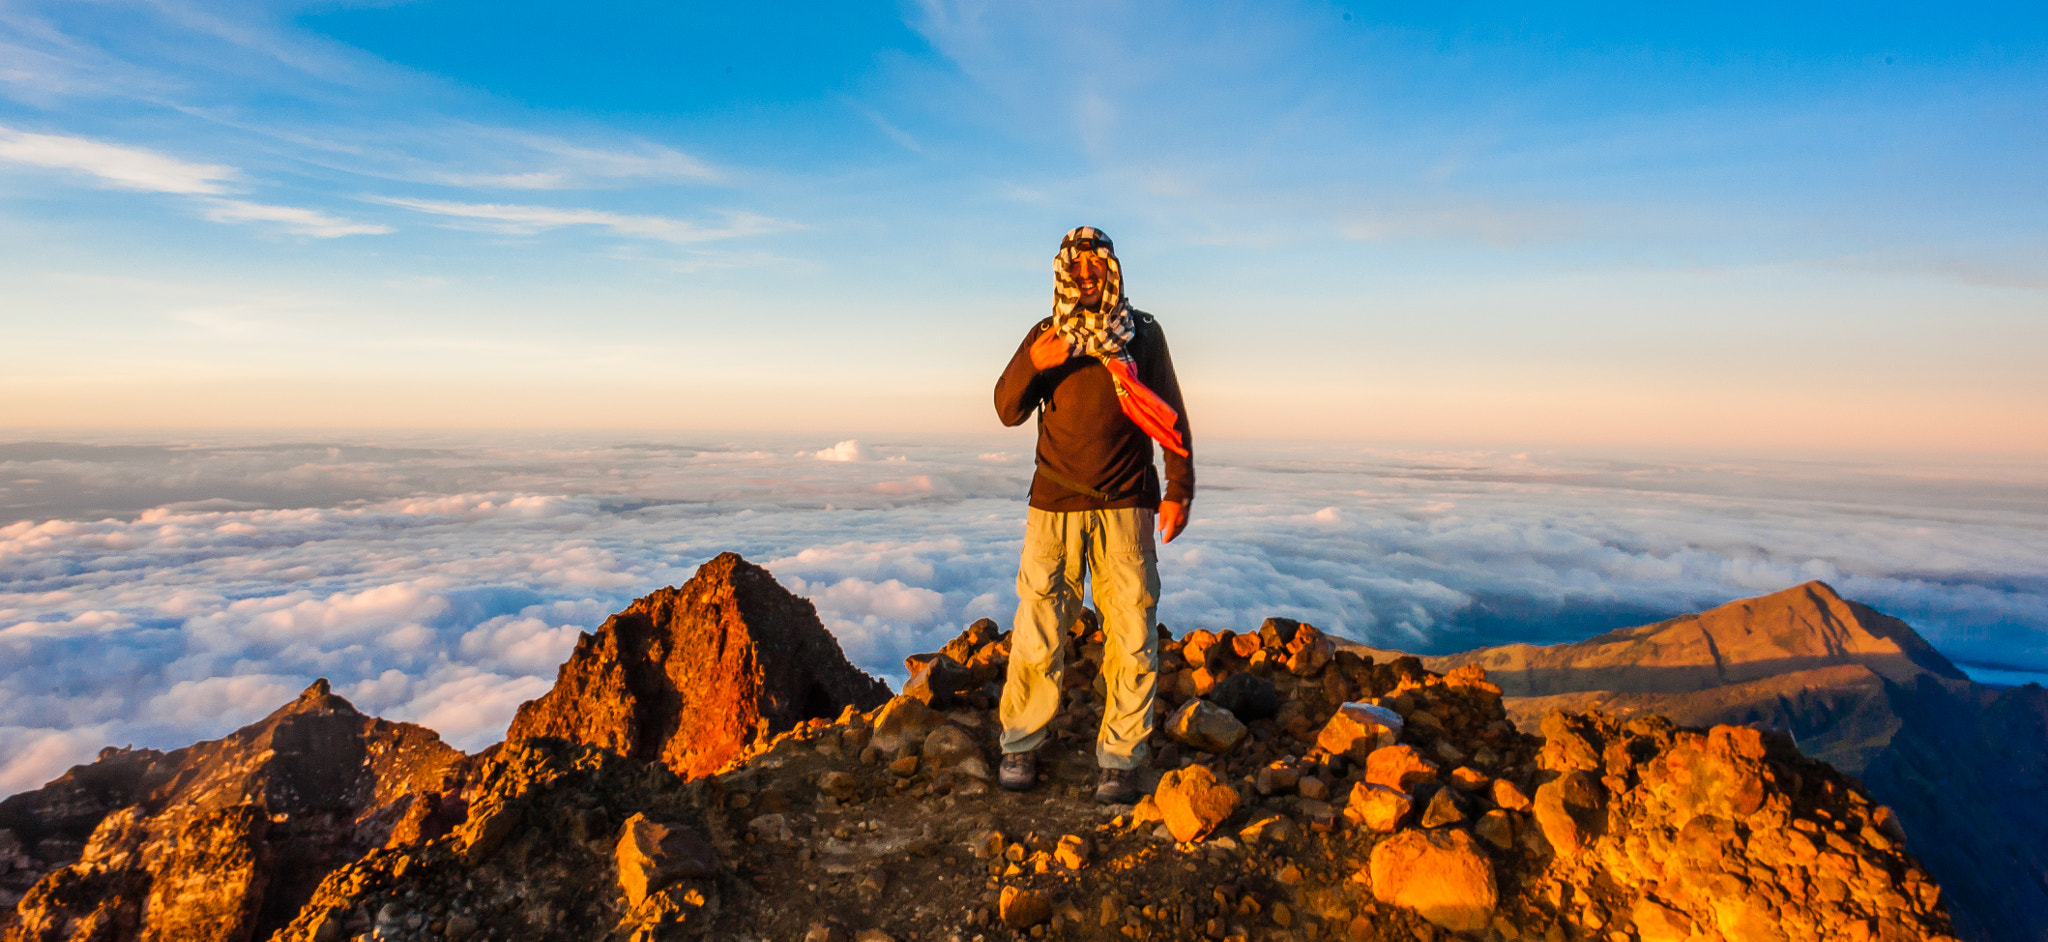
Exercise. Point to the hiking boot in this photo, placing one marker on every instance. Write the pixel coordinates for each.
(1019, 771)
(1117, 787)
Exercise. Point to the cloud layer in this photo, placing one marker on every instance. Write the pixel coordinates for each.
(159, 594)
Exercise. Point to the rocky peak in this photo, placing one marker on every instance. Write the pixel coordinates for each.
(691, 676)
(232, 833)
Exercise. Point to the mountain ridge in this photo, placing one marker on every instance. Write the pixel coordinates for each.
(708, 763)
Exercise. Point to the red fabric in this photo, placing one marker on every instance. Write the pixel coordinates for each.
(1144, 407)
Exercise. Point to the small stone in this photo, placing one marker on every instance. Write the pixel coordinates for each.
(1400, 768)
(838, 785)
(1507, 797)
(1441, 875)
(1282, 916)
(1312, 787)
(1377, 807)
(1202, 725)
(1273, 829)
(1275, 780)
(986, 845)
(823, 932)
(1496, 827)
(1289, 875)
(1444, 808)
(771, 828)
(1020, 909)
(1468, 779)
(1072, 852)
(904, 767)
(1193, 802)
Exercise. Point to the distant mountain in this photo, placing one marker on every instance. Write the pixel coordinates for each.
(1965, 766)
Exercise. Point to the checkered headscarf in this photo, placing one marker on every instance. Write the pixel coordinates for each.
(1104, 332)
(1101, 332)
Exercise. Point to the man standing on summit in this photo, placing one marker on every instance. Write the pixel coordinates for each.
(1100, 378)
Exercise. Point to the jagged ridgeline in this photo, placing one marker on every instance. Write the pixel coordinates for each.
(709, 765)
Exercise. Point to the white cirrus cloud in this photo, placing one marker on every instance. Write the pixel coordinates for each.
(294, 219)
(515, 219)
(128, 168)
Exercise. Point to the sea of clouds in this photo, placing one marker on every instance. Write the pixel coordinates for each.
(156, 594)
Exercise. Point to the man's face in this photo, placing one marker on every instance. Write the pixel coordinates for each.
(1087, 271)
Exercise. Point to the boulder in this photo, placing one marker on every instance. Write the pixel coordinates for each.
(938, 680)
(1193, 802)
(971, 640)
(1248, 697)
(692, 676)
(902, 723)
(1277, 632)
(1356, 729)
(651, 855)
(1571, 810)
(1441, 875)
(1377, 807)
(950, 747)
(1309, 652)
(1400, 768)
(1203, 725)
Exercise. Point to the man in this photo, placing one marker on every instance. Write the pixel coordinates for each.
(1099, 376)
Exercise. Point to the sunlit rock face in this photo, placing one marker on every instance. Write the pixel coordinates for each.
(1964, 766)
(690, 676)
(227, 838)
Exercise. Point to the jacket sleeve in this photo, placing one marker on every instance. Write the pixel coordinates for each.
(1160, 378)
(1018, 390)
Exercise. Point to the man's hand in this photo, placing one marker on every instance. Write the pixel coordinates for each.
(1049, 350)
(1173, 518)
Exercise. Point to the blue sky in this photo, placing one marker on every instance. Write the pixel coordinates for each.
(1815, 227)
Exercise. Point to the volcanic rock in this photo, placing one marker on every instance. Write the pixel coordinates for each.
(1400, 768)
(1442, 875)
(1571, 810)
(1248, 697)
(1377, 807)
(650, 856)
(1203, 725)
(1356, 729)
(1193, 802)
(691, 676)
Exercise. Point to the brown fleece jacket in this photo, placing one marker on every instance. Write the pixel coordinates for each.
(1084, 436)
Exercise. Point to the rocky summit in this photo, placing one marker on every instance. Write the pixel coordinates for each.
(690, 676)
(1295, 790)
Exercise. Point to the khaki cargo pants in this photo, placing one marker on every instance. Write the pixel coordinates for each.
(1061, 552)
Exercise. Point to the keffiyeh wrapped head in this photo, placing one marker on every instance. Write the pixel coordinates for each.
(1104, 330)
